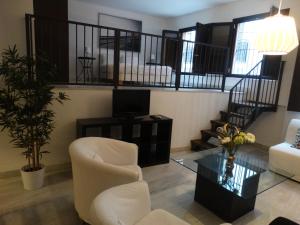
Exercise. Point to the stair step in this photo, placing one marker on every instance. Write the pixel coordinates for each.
(224, 115)
(211, 133)
(251, 104)
(216, 123)
(200, 145)
(261, 104)
(244, 104)
(240, 115)
(206, 134)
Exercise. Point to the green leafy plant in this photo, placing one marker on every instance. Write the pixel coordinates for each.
(25, 95)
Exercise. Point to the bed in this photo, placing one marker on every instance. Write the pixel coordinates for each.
(146, 74)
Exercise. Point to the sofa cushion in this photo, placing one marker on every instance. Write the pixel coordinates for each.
(285, 148)
(297, 140)
(294, 125)
(284, 158)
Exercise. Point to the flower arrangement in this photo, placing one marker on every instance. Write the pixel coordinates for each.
(231, 137)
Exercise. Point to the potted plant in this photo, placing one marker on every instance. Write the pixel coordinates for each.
(25, 96)
(231, 138)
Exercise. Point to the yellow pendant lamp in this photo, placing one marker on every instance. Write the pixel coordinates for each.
(277, 35)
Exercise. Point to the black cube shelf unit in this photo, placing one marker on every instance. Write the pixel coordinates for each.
(153, 136)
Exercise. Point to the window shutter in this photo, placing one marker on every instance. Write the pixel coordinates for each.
(201, 52)
(208, 59)
(169, 48)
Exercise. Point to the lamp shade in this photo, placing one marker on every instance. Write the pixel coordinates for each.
(277, 35)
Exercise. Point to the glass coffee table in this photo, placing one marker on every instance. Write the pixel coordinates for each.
(229, 192)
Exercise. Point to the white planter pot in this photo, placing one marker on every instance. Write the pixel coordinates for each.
(33, 180)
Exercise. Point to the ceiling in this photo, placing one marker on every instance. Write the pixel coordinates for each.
(164, 8)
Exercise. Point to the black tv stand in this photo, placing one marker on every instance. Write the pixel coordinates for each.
(151, 135)
(130, 118)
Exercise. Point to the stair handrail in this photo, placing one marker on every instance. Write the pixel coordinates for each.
(239, 82)
(247, 74)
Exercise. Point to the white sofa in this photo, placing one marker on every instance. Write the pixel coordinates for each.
(99, 164)
(129, 204)
(283, 158)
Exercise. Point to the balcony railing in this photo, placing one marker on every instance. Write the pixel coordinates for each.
(89, 54)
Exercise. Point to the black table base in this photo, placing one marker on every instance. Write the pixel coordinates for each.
(222, 202)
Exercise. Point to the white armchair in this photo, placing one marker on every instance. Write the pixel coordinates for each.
(129, 204)
(283, 158)
(99, 164)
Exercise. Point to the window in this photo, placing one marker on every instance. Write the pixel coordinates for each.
(241, 51)
(188, 38)
(245, 54)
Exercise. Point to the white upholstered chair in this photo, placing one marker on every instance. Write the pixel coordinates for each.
(283, 158)
(99, 164)
(129, 204)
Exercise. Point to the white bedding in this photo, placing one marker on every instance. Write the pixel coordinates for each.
(141, 73)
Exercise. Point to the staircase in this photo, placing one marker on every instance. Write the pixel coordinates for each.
(252, 95)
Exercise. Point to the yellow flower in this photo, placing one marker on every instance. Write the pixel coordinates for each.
(225, 140)
(238, 140)
(250, 137)
(242, 134)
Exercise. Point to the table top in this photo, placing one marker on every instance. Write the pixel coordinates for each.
(250, 176)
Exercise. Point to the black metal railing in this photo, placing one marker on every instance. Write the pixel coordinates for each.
(98, 55)
(88, 54)
(203, 65)
(252, 94)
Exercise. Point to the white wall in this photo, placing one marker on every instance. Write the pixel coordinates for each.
(270, 127)
(88, 12)
(12, 23)
(119, 22)
(190, 110)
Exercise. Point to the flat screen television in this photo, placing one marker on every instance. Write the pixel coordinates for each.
(130, 103)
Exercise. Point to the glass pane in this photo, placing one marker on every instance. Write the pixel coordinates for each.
(188, 51)
(245, 55)
(212, 165)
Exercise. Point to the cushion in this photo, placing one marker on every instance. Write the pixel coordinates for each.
(297, 140)
(294, 125)
(161, 217)
(284, 158)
